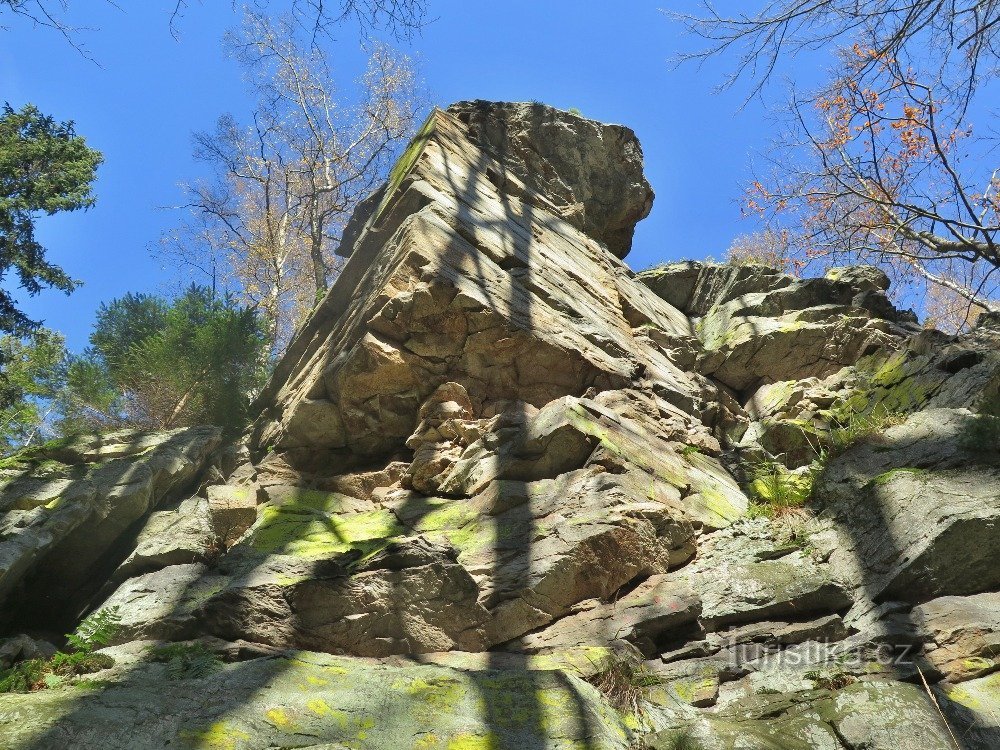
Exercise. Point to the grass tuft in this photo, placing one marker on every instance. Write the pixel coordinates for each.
(625, 681)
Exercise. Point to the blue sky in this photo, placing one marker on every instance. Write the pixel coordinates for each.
(140, 105)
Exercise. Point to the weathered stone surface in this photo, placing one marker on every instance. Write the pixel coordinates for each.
(973, 710)
(162, 605)
(963, 634)
(592, 172)
(21, 648)
(652, 610)
(58, 522)
(746, 573)
(695, 287)
(826, 629)
(472, 573)
(309, 700)
(175, 536)
(495, 460)
(233, 510)
(809, 328)
(791, 586)
(916, 509)
(474, 286)
(875, 716)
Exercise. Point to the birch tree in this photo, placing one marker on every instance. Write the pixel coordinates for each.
(285, 183)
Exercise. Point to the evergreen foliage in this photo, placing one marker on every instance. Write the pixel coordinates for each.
(34, 370)
(156, 364)
(45, 168)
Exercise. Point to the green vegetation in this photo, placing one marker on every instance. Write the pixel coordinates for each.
(887, 476)
(156, 363)
(681, 739)
(857, 427)
(34, 371)
(153, 363)
(625, 681)
(831, 681)
(982, 434)
(776, 490)
(47, 168)
(95, 631)
(186, 661)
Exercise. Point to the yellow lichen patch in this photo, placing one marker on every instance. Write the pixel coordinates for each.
(364, 724)
(427, 742)
(319, 707)
(283, 579)
(280, 719)
(982, 694)
(474, 742)
(459, 523)
(289, 529)
(219, 736)
(433, 697)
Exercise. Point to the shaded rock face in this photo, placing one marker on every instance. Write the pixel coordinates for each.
(496, 463)
(64, 507)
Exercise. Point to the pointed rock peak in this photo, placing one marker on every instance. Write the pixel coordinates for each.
(590, 170)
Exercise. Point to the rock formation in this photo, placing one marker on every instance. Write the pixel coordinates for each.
(500, 482)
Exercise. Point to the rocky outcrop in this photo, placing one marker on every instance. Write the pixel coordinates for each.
(65, 505)
(496, 469)
(592, 173)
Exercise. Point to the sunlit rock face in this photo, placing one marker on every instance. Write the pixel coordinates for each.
(498, 495)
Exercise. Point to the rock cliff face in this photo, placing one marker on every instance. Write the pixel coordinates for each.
(503, 492)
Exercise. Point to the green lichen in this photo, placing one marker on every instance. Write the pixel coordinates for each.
(458, 523)
(300, 531)
(475, 742)
(887, 476)
(407, 161)
(219, 736)
(279, 718)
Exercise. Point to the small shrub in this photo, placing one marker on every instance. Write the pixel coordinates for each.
(982, 434)
(625, 681)
(186, 661)
(682, 739)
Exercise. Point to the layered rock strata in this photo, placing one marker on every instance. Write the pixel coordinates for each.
(499, 483)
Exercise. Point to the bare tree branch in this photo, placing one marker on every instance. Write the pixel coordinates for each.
(286, 184)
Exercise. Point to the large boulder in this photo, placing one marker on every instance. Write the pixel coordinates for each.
(64, 506)
(916, 507)
(592, 172)
(504, 486)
